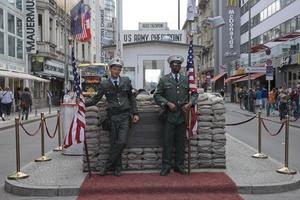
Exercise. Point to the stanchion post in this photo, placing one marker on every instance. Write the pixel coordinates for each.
(43, 158)
(18, 174)
(59, 148)
(286, 169)
(259, 155)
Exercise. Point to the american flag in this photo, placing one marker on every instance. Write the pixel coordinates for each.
(77, 129)
(192, 127)
(81, 23)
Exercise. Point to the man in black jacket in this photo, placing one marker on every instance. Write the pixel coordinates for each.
(121, 107)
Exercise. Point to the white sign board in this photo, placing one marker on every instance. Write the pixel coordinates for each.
(153, 25)
(255, 69)
(269, 72)
(30, 26)
(153, 35)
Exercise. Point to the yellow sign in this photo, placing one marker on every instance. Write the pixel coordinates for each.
(232, 3)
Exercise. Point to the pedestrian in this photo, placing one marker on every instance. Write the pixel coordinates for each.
(6, 102)
(252, 99)
(240, 96)
(172, 94)
(271, 99)
(264, 97)
(245, 99)
(121, 108)
(283, 110)
(258, 97)
(1, 114)
(18, 94)
(49, 99)
(26, 103)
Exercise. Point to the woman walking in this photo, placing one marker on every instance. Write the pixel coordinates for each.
(6, 102)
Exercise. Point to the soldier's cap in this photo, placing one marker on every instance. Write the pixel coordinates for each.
(116, 62)
(175, 58)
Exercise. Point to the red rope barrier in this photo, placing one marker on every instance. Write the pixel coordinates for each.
(55, 131)
(248, 120)
(268, 131)
(22, 126)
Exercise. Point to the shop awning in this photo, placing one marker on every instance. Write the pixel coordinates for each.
(232, 78)
(252, 77)
(215, 78)
(21, 76)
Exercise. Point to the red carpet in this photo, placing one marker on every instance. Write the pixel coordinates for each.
(200, 186)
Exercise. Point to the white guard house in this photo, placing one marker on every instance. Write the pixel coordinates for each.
(145, 55)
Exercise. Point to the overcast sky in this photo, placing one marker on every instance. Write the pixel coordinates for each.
(135, 11)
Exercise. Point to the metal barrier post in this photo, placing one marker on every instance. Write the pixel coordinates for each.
(43, 158)
(18, 174)
(259, 155)
(59, 148)
(285, 169)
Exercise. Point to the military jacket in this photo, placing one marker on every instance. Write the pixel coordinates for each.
(168, 90)
(120, 99)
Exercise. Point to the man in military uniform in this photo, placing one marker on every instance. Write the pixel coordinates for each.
(121, 106)
(172, 94)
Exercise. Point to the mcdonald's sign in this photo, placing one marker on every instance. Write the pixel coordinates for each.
(232, 3)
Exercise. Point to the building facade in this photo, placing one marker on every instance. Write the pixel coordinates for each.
(14, 72)
(275, 25)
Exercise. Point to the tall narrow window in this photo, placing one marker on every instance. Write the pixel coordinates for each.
(1, 42)
(1, 19)
(40, 27)
(11, 23)
(11, 46)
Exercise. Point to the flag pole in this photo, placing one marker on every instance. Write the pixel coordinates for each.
(87, 157)
(189, 137)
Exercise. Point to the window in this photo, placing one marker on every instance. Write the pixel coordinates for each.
(11, 46)
(19, 4)
(1, 42)
(83, 53)
(11, 23)
(40, 28)
(51, 30)
(293, 24)
(1, 19)
(19, 27)
(19, 49)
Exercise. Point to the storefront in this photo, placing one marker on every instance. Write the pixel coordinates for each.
(52, 70)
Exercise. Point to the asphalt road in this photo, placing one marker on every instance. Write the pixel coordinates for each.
(271, 145)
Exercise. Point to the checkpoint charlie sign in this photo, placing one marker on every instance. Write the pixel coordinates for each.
(153, 35)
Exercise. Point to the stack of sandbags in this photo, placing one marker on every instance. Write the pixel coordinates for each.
(92, 132)
(211, 131)
(207, 147)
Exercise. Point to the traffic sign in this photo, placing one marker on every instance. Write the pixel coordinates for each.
(255, 69)
(269, 72)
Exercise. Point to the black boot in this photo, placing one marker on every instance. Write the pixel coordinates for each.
(117, 172)
(103, 171)
(165, 171)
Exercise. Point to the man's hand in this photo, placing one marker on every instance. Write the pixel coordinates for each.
(135, 119)
(186, 108)
(172, 107)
